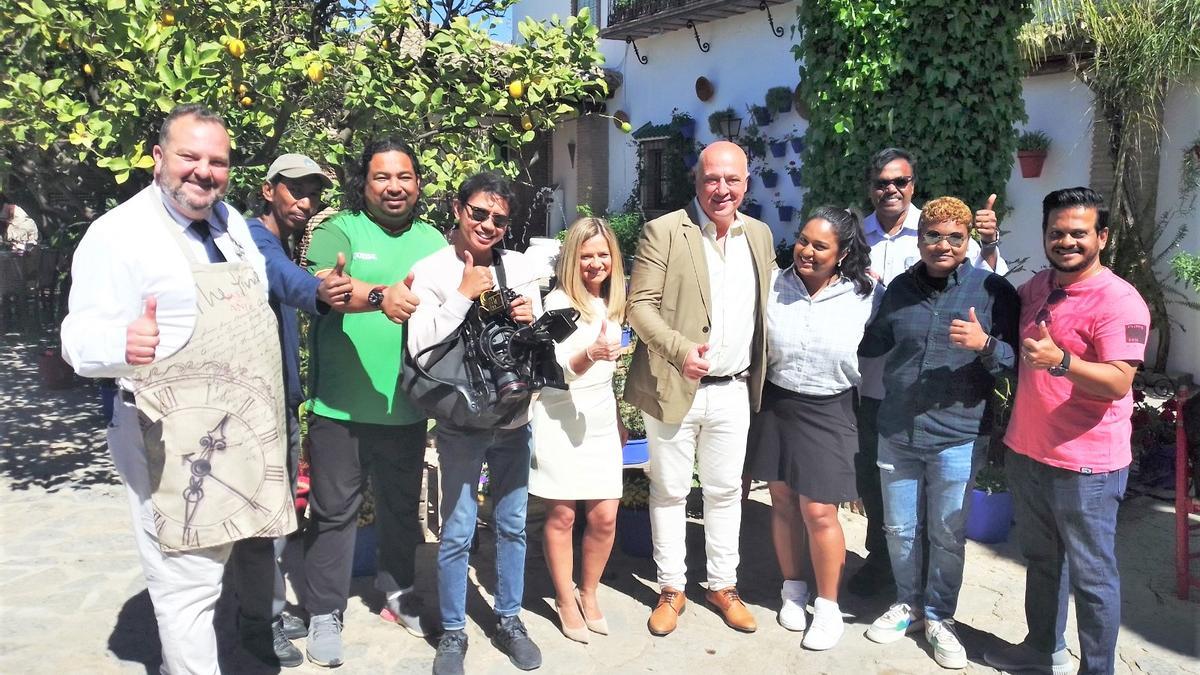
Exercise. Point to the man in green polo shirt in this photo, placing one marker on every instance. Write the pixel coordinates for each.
(361, 423)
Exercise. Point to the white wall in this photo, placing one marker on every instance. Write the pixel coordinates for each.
(744, 60)
(1181, 126)
(563, 174)
(1061, 106)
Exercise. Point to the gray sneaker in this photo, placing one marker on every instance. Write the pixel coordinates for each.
(513, 639)
(451, 651)
(406, 611)
(324, 645)
(1021, 658)
(268, 643)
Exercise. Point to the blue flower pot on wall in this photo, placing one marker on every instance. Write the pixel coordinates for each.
(762, 116)
(797, 145)
(687, 129)
(786, 213)
(779, 149)
(990, 517)
(795, 175)
(633, 532)
(752, 210)
(770, 180)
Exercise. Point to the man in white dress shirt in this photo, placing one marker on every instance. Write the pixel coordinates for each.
(891, 231)
(133, 302)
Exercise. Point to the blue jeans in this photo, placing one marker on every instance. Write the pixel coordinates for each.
(943, 479)
(461, 453)
(1067, 527)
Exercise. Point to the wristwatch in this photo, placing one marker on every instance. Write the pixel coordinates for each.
(989, 347)
(1061, 369)
(375, 297)
(989, 244)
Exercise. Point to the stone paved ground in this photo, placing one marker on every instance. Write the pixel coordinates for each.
(72, 598)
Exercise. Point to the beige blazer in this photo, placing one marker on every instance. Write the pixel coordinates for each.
(670, 310)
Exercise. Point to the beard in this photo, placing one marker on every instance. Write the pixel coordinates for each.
(1083, 264)
(177, 192)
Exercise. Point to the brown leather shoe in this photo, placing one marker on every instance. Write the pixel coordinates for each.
(665, 616)
(733, 610)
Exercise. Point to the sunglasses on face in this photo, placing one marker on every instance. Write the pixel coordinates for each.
(899, 183)
(1044, 314)
(478, 215)
(933, 239)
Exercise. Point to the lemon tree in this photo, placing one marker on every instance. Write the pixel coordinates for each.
(85, 85)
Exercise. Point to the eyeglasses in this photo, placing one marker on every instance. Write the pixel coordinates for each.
(933, 239)
(900, 183)
(479, 214)
(1044, 314)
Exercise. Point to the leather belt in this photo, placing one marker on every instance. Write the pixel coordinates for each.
(126, 396)
(713, 379)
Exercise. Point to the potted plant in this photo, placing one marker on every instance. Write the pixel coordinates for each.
(779, 99)
(797, 141)
(684, 123)
(793, 170)
(754, 143)
(991, 512)
(751, 207)
(1031, 152)
(770, 177)
(633, 515)
(778, 146)
(716, 121)
(786, 211)
(761, 114)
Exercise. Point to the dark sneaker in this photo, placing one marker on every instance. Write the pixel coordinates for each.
(268, 643)
(872, 578)
(512, 639)
(293, 626)
(324, 644)
(451, 650)
(1021, 658)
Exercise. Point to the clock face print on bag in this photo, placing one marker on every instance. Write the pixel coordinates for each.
(215, 468)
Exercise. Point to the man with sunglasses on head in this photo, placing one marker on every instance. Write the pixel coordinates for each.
(947, 330)
(1084, 332)
(291, 195)
(891, 231)
(449, 283)
(360, 421)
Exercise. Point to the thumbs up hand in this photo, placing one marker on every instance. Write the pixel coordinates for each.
(1041, 353)
(603, 349)
(968, 334)
(695, 366)
(399, 301)
(141, 335)
(336, 287)
(985, 223)
(475, 279)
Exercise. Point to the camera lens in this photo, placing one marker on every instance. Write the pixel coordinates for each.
(509, 385)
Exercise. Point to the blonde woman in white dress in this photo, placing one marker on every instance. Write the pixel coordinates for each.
(577, 435)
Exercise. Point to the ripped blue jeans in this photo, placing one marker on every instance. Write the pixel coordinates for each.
(943, 478)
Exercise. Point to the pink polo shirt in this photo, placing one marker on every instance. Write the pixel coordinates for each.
(1102, 318)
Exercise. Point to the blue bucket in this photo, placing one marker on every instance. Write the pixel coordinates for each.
(633, 532)
(626, 336)
(990, 517)
(635, 452)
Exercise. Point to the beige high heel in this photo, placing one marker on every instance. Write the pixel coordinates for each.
(595, 625)
(579, 634)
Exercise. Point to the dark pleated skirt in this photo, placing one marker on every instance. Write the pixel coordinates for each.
(808, 442)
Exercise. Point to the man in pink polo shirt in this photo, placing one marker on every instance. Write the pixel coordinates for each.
(1083, 333)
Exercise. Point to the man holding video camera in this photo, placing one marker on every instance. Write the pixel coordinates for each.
(448, 284)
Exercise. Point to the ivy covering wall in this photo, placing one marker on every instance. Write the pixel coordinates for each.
(940, 78)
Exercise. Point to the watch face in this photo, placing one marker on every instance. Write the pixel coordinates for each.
(217, 456)
(375, 297)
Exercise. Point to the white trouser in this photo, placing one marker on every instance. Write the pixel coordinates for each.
(714, 432)
(184, 587)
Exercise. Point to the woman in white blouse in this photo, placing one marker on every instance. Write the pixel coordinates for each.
(804, 438)
(577, 436)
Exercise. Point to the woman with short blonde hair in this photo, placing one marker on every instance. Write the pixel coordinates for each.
(577, 435)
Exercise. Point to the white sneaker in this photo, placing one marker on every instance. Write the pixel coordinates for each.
(826, 627)
(795, 597)
(898, 621)
(947, 650)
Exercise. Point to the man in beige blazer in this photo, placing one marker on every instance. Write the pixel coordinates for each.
(698, 304)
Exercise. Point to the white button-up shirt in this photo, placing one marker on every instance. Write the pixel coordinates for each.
(732, 290)
(126, 256)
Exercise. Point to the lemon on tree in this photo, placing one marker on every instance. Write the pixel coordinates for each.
(315, 72)
(516, 89)
(236, 48)
(168, 18)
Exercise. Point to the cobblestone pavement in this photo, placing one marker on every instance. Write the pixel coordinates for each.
(72, 598)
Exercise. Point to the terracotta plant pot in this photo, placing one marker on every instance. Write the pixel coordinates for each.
(704, 88)
(1031, 162)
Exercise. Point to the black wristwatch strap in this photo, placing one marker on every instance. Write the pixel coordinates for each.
(1063, 366)
(989, 347)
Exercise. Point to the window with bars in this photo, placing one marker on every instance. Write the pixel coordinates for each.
(593, 7)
